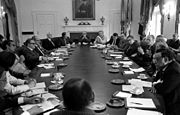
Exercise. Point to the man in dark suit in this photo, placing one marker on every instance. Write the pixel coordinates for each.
(132, 49)
(32, 58)
(114, 40)
(48, 43)
(84, 38)
(169, 80)
(63, 40)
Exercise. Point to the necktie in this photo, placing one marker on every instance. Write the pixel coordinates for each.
(51, 42)
(40, 50)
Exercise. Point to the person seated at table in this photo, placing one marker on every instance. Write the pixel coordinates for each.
(32, 58)
(145, 53)
(10, 102)
(1, 41)
(101, 38)
(169, 82)
(114, 41)
(84, 38)
(124, 43)
(38, 47)
(132, 49)
(64, 40)
(77, 95)
(174, 43)
(9, 83)
(48, 43)
(20, 70)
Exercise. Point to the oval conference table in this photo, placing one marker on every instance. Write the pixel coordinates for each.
(87, 63)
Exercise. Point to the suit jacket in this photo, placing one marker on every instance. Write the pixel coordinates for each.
(170, 88)
(60, 41)
(31, 57)
(7, 102)
(132, 49)
(69, 112)
(39, 51)
(47, 44)
(112, 40)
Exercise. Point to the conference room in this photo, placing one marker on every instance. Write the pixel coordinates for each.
(89, 57)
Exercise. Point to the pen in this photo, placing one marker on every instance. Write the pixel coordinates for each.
(136, 103)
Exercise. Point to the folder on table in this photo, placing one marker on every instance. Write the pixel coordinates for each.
(134, 111)
(146, 103)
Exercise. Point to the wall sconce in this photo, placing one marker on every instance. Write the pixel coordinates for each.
(102, 19)
(169, 9)
(66, 19)
(2, 12)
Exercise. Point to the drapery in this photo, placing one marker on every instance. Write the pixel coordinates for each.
(146, 11)
(126, 16)
(177, 16)
(10, 9)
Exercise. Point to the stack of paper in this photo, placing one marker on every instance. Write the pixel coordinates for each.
(140, 103)
(140, 83)
(133, 111)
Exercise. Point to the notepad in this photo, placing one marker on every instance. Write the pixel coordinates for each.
(134, 111)
(140, 103)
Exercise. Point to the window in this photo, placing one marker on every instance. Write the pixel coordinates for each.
(155, 23)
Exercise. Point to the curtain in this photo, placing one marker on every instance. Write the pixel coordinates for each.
(123, 16)
(126, 16)
(10, 9)
(177, 16)
(146, 11)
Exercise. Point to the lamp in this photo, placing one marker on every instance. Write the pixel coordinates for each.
(66, 19)
(169, 9)
(2, 12)
(102, 19)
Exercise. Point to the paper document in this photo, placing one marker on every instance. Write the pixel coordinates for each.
(140, 103)
(45, 74)
(39, 85)
(115, 55)
(123, 94)
(126, 62)
(133, 111)
(140, 83)
(138, 69)
(128, 72)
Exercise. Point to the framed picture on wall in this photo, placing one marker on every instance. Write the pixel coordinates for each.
(83, 9)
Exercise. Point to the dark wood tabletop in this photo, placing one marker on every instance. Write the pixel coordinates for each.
(87, 63)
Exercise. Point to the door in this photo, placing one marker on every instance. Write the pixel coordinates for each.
(44, 22)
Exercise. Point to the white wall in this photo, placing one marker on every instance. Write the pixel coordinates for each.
(64, 8)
